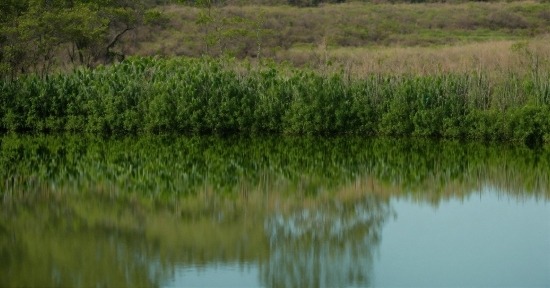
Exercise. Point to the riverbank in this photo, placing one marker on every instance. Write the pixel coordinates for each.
(203, 95)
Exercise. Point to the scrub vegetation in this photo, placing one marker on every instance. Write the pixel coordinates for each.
(377, 69)
(299, 35)
(152, 95)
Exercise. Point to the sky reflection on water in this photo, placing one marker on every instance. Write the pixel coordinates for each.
(489, 239)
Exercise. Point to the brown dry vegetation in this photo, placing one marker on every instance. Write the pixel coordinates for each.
(394, 38)
(498, 57)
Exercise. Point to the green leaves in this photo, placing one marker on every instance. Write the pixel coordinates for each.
(50, 33)
(151, 95)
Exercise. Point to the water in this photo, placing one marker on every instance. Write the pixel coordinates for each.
(486, 240)
(168, 211)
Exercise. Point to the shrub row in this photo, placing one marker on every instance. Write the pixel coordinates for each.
(150, 95)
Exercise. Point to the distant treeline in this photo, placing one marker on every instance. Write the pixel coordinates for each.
(310, 3)
(149, 95)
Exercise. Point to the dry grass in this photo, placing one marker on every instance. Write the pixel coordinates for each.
(363, 37)
(495, 56)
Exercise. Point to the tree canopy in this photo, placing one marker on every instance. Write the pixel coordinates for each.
(36, 35)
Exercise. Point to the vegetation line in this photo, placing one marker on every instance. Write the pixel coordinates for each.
(151, 95)
(166, 167)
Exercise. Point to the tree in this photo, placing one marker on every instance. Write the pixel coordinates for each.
(10, 49)
(35, 34)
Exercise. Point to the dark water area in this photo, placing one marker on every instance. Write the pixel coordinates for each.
(206, 211)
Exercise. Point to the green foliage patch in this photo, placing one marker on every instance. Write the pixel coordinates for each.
(151, 95)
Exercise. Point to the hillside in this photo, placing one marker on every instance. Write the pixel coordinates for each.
(403, 37)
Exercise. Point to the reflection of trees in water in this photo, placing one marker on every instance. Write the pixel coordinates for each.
(170, 167)
(48, 245)
(331, 246)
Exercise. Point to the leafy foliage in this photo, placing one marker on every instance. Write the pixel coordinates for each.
(150, 95)
(33, 34)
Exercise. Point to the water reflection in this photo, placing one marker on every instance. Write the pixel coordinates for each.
(329, 247)
(488, 239)
(49, 244)
(294, 212)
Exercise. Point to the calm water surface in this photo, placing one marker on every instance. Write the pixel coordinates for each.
(486, 240)
(272, 212)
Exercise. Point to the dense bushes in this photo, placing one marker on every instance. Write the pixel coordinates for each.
(143, 95)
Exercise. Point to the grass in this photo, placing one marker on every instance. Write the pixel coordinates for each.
(494, 58)
(432, 78)
(152, 95)
(348, 25)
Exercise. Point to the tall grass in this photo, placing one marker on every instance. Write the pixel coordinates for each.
(285, 29)
(150, 95)
(494, 58)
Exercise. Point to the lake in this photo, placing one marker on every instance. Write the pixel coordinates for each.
(267, 211)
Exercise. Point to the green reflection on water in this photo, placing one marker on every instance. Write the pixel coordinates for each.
(170, 167)
(85, 211)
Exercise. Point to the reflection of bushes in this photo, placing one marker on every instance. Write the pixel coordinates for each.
(167, 200)
(64, 249)
(166, 168)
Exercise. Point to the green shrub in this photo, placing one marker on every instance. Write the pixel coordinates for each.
(150, 95)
